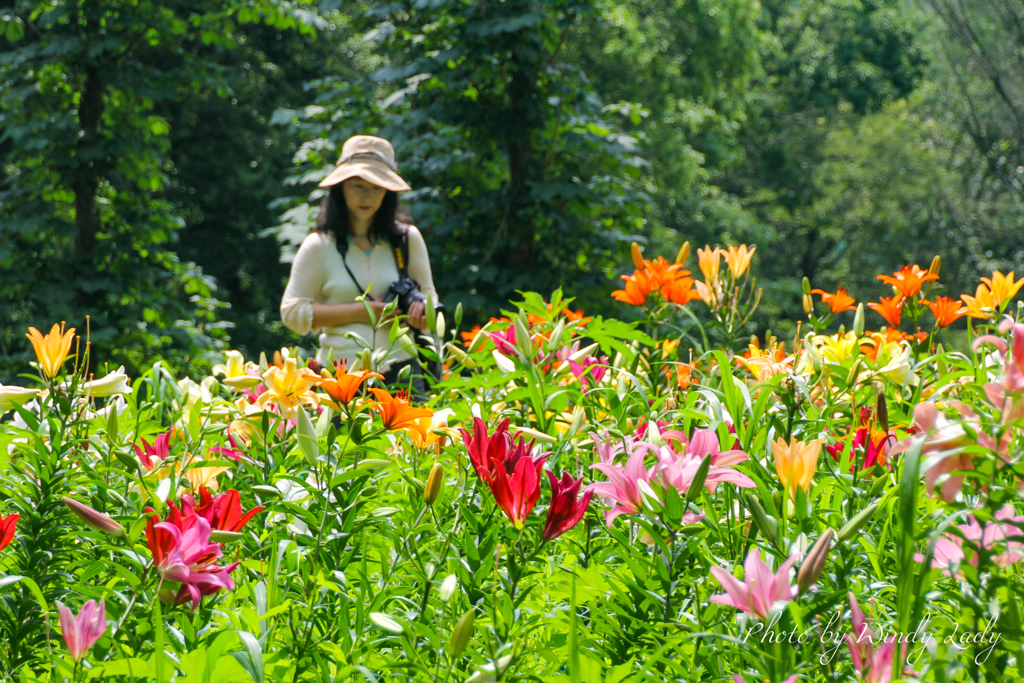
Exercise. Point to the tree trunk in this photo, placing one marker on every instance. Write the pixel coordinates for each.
(86, 180)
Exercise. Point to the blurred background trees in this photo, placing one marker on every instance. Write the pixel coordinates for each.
(158, 160)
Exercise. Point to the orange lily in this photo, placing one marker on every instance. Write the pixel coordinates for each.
(51, 349)
(343, 385)
(469, 336)
(680, 291)
(795, 463)
(661, 272)
(982, 304)
(738, 259)
(709, 261)
(890, 308)
(1003, 287)
(908, 280)
(838, 302)
(398, 413)
(946, 311)
(638, 288)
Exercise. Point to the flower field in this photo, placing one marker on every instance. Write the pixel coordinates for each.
(581, 499)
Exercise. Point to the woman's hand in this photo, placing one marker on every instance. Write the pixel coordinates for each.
(417, 315)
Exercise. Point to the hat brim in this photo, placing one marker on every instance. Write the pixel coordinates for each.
(374, 171)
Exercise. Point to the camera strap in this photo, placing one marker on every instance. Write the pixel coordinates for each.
(399, 250)
(352, 275)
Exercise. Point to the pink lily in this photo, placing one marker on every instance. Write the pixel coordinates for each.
(759, 590)
(944, 439)
(705, 442)
(622, 486)
(590, 372)
(505, 340)
(235, 453)
(1008, 396)
(81, 633)
(678, 471)
(949, 549)
(873, 666)
(183, 553)
(160, 449)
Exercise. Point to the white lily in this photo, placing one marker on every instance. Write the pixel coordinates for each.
(11, 396)
(114, 383)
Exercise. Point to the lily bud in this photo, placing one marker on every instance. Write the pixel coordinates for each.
(858, 321)
(448, 588)
(814, 563)
(684, 253)
(97, 520)
(638, 259)
(434, 481)
(366, 360)
(933, 269)
(882, 411)
(808, 304)
(578, 414)
(858, 520)
(461, 634)
(765, 524)
(806, 284)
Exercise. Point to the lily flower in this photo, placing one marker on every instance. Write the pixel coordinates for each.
(289, 387)
(114, 383)
(949, 549)
(889, 308)
(946, 310)
(51, 349)
(622, 487)
(873, 666)
(795, 463)
(11, 396)
(908, 280)
(898, 368)
(710, 261)
(183, 553)
(838, 302)
(759, 590)
(566, 508)
(636, 290)
(159, 449)
(738, 259)
(426, 435)
(943, 443)
(236, 374)
(81, 633)
(223, 511)
(589, 371)
(982, 305)
(343, 385)
(397, 412)
(516, 492)
(1008, 395)
(8, 525)
(487, 450)
(1003, 287)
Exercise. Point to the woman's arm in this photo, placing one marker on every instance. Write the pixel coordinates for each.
(419, 270)
(330, 315)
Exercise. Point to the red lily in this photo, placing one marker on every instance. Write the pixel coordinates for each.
(517, 494)
(223, 511)
(7, 525)
(565, 510)
(235, 453)
(485, 450)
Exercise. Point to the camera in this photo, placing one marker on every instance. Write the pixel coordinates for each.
(407, 292)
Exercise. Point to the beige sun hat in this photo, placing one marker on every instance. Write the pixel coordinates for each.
(371, 159)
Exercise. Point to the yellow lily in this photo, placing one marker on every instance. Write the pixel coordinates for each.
(288, 387)
(51, 349)
(982, 304)
(738, 259)
(835, 348)
(1003, 287)
(709, 260)
(234, 372)
(203, 476)
(795, 463)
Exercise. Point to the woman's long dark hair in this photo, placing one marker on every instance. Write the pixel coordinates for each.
(333, 219)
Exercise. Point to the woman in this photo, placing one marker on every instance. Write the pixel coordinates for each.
(351, 249)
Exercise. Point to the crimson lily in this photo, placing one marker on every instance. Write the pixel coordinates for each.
(223, 511)
(160, 449)
(486, 449)
(565, 510)
(7, 526)
(517, 492)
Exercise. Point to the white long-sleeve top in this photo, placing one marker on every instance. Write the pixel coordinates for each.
(319, 276)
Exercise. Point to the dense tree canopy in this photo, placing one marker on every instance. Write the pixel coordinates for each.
(156, 159)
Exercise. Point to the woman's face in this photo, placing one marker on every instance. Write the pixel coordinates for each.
(362, 197)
